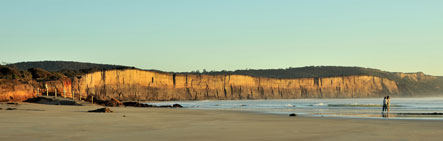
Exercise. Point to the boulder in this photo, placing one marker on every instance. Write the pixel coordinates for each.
(293, 115)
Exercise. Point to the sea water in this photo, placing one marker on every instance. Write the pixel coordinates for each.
(346, 108)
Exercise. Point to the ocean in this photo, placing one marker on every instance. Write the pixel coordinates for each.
(401, 108)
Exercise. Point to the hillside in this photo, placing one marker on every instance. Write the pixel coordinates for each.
(54, 66)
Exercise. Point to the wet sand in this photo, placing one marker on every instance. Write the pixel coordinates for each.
(52, 122)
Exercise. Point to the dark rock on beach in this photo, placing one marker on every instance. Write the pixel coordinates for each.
(102, 110)
(292, 115)
(177, 106)
(113, 103)
(11, 109)
(138, 104)
(104, 102)
(52, 101)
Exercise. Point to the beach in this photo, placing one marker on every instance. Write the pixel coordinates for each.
(56, 122)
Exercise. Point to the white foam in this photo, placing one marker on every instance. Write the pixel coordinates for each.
(320, 104)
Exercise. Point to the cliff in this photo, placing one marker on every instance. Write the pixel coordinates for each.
(419, 76)
(135, 84)
(15, 91)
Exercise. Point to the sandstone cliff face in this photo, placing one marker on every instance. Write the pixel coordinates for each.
(19, 91)
(16, 92)
(134, 84)
(62, 87)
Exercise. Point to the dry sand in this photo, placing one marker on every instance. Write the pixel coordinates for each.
(52, 122)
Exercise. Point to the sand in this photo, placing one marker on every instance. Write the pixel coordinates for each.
(53, 122)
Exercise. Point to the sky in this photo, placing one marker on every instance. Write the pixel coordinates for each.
(188, 35)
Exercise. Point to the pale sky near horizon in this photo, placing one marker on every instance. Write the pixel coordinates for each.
(186, 35)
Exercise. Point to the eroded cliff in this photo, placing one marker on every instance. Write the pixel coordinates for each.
(15, 91)
(128, 83)
(133, 84)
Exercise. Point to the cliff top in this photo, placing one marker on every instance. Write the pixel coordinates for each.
(54, 66)
(38, 71)
(54, 70)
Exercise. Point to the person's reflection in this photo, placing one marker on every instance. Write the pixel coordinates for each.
(385, 114)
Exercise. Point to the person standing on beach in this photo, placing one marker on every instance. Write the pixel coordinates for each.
(388, 102)
(384, 104)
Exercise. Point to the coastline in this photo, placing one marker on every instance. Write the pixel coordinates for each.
(368, 108)
(55, 122)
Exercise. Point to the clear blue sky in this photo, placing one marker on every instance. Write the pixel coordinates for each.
(185, 35)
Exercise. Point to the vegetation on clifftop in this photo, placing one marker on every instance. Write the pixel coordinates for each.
(307, 72)
(54, 66)
(50, 70)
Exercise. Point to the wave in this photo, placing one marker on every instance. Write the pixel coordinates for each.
(290, 105)
(320, 104)
(361, 105)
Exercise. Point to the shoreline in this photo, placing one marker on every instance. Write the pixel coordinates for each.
(439, 118)
(57, 122)
(402, 108)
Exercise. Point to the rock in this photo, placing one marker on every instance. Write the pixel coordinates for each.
(113, 103)
(130, 103)
(177, 106)
(33, 100)
(52, 101)
(11, 108)
(67, 102)
(12, 103)
(102, 110)
(292, 115)
(138, 104)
